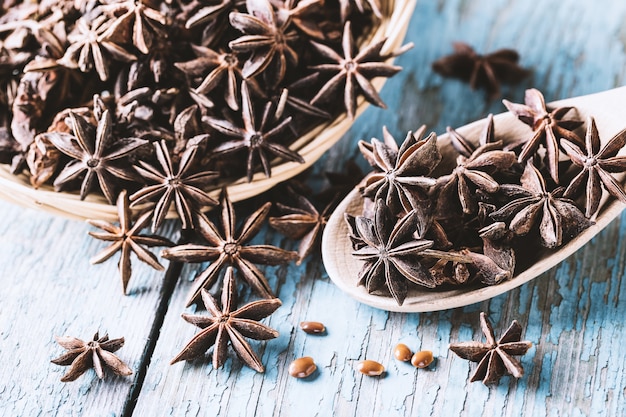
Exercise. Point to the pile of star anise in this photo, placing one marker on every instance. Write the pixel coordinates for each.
(105, 95)
(431, 225)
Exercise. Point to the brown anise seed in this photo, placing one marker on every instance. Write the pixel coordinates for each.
(422, 359)
(312, 327)
(402, 352)
(370, 368)
(302, 367)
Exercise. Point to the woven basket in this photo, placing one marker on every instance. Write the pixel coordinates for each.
(17, 188)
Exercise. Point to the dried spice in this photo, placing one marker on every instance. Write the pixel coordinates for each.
(370, 368)
(227, 323)
(597, 166)
(487, 71)
(495, 358)
(126, 238)
(96, 354)
(422, 359)
(312, 327)
(402, 352)
(229, 249)
(548, 127)
(302, 367)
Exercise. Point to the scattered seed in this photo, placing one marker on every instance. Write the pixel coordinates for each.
(302, 367)
(402, 352)
(422, 359)
(312, 327)
(370, 368)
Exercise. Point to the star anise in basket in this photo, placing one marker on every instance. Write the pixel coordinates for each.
(96, 354)
(229, 248)
(228, 323)
(495, 358)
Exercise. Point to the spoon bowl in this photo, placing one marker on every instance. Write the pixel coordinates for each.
(608, 110)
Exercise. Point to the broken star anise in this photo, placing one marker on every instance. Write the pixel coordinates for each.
(229, 248)
(548, 127)
(495, 358)
(126, 238)
(227, 323)
(96, 354)
(393, 257)
(597, 165)
(95, 154)
(481, 71)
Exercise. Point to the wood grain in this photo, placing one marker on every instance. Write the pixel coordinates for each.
(573, 314)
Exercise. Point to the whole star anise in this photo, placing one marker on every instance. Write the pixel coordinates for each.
(126, 238)
(227, 323)
(548, 127)
(392, 256)
(401, 174)
(259, 142)
(229, 249)
(481, 71)
(532, 203)
(96, 354)
(354, 71)
(495, 358)
(95, 154)
(179, 186)
(597, 166)
(474, 166)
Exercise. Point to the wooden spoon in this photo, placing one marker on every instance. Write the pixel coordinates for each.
(609, 110)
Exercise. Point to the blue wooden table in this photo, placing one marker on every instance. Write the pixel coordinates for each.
(574, 314)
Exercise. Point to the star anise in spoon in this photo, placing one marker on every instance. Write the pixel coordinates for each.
(179, 186)
(96, 354)
(597, 166)
(481, 71)
(95, 154)
(227, 323)
(126, 238)
(495, 358)
(229, 248)
(354, 71)
(548, 127)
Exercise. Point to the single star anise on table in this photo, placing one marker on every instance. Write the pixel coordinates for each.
(259, 141)
(179, 186)
(229, 249)
(303, 222)
(354, 71)
(481, 71)
(393, 257)
(96, 354)
(126, 238)
(95, 154)
(474, 166)
(400, 175)
(548, 127)
(495, 358)
(227, 323)
(532, 203)
(597, 166)
(268, 39)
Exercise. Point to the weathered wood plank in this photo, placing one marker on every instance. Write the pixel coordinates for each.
(49, 288)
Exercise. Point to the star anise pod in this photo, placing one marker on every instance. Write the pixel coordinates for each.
(348, 5)
(126, 238)
(178, 186)
(481, 71)
(495, 358)
(267, 38)
(473, 168)
(303, 222)
(597, 166)
(258, 141)
(401, 174)
(89, 49)
(135, 23)
(96, 354)
(548, 127)
(209, 12)
(95, 154)
(227, 323)
(299, 12)
(354, 71)
(532, 203)
(229, 248)
(393, 256)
